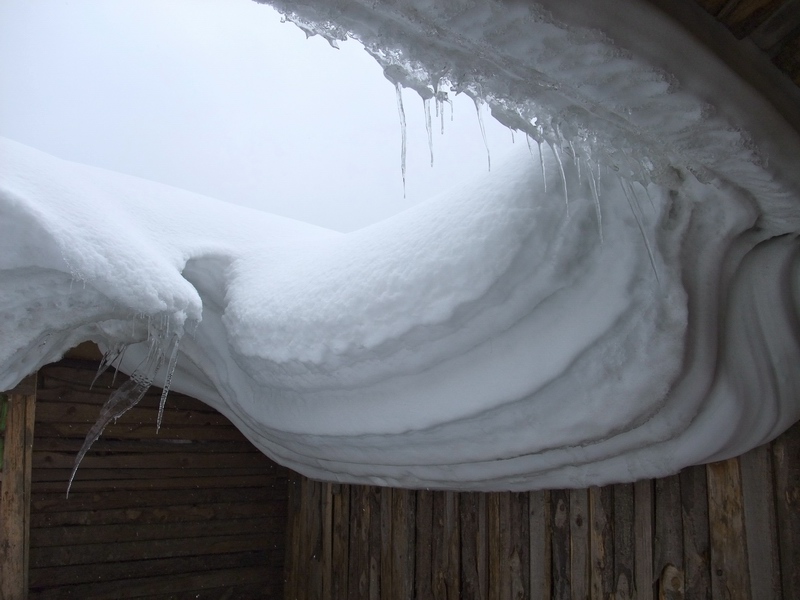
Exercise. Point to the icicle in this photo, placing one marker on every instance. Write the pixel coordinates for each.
(597, 210)
(173, 358)
(528, 141)
(402, 113)
(122, 400)
(541, 163)
(630, 195)
(649, 197)
(427, 105)
(109, 358)
(483, 132)
(563, 175)
(512, 135)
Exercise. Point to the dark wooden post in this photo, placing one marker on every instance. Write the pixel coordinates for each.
(16, 491)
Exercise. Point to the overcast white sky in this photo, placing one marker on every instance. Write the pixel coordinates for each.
(221, 98)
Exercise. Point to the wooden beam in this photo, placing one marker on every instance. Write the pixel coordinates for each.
(16, 491)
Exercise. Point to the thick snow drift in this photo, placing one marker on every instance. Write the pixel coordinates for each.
(618, 303)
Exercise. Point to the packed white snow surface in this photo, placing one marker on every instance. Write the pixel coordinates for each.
(618, 302)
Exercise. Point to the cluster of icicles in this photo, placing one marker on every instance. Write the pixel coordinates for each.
(162, 349)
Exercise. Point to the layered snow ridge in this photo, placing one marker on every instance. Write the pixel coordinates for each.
(617, 302)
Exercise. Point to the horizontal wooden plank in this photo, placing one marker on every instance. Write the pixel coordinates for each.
(67, 411)
(149, 446)
(123, 551)
(133, 499)
(177, 483)
(64, 460)
(162, 514)
(142, 431)
(164, 586)
(122, 532)
(278, 474)
(50, 577)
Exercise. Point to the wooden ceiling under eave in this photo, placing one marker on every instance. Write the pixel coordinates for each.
(772, 25)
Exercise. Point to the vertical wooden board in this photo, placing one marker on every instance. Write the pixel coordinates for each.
(758, 492)
(295, 536)
(497, 564)
(387, 558)
(520, 559)
(579, 543)
(786, 455)
(312, 559)
(327, 542)
(668, 546)
(601, 542)
(15, 492)
(340, 545)
(439, 549)
(623, 542)
(729, 568)
(539, 550)
(470, 582)
(375, 543)
(643, 539)
(403, 533)
(483, 545)
(424, 545)
(696, 537)
(452, 537)
(559, 508)
(358, 576)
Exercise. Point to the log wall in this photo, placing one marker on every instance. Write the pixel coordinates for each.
(193, 511)
(728, 530)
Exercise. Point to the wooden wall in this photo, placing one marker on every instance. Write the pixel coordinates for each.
(729, 530)
(194, 511)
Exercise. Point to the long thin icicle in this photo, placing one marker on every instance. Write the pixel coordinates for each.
(402, 114)
(109, 358)
(428, 128)
(541, 163)
(173, 358)
(483, 131)
(596, 196)
(630, 195)
(122, 400)
(563, 176)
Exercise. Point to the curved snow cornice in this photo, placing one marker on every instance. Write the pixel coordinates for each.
(618, 303)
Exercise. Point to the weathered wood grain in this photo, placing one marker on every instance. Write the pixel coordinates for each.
(696, 537)
(540, 551)
(668, 539)
(786, 456)
(15, 492)
(403, 542)
(559, 507)
(340, 546)
(358, 577)
(424, 550)
(758, 492)
(601, 542)
(579, 526)
(624, 585)
(470, 541)
(519, 560)
(729, 567)
(643, 539)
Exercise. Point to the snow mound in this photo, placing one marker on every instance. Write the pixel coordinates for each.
(618, 303)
